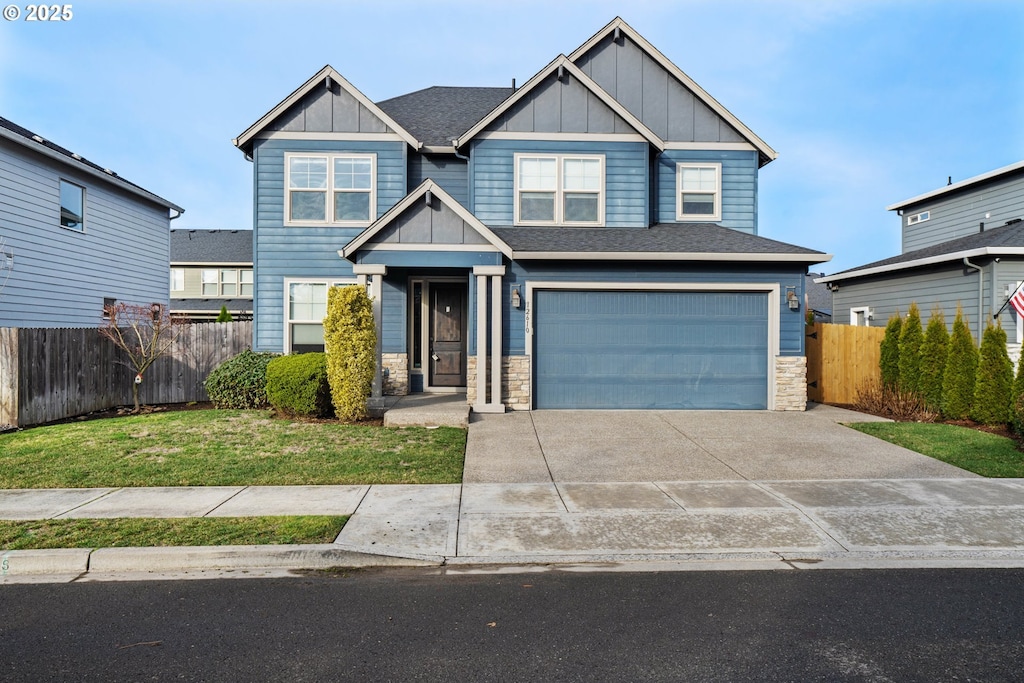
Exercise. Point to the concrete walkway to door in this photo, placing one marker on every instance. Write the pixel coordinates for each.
(651, 445)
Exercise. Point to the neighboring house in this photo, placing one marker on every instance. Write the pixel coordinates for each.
(818, 298)
(963, 245)
(211, 269)
(77, 237)
(588, 240)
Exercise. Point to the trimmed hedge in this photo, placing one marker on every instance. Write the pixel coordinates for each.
(240, 382)
(297, 385)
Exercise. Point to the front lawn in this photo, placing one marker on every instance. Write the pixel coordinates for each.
(226, 448)
(986, 454)
(138, 532)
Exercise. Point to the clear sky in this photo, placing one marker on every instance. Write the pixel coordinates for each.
(867, 103)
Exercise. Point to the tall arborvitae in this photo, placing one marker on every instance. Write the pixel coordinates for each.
(890, 360)
(911, 337)
(994, 384)
(958, 377)
(933, 359)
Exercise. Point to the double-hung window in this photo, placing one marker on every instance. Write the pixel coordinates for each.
(698, 192)
(305, 309)
(558, 189)
(210, 283)
(330, 189)
(177, 279)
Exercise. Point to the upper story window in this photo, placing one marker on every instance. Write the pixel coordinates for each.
(919, 217)
(177, 279)
(226, 282)
(330, 189)
(698, 192)
(559, 189)
(72, 205)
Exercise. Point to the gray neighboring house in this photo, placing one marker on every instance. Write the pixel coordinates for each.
(211, 269)
(76, 236)
(963, 244)
(818, 298)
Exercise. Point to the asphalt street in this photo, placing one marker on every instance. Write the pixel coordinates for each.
(398, 625)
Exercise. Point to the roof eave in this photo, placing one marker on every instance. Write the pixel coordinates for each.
(670, 256)
(991, 175)
(917, 263)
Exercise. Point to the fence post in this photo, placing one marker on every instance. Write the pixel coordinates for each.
(8, 377)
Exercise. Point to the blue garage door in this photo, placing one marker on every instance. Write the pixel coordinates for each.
(670, 350)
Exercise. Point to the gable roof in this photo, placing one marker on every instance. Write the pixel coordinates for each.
(1007, 240)
(660, 242)
(561, 62)
(765, 152)
(439, 114)
(244, 140)
(211, 246)
(26, 138)
(428, 185)
(961, 185)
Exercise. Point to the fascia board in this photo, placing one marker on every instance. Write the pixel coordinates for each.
(253, 130)
(670, 256)
(114, 180)
(931, 260)
(957, 186)
(667, 64)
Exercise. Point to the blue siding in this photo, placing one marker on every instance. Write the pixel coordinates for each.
(449, 172)
(394, 313)
(61, 276)
(626, 166)
(305, 252)
(739, 186)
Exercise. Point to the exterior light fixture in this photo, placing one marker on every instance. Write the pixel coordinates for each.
(792, 299)
(516, 299)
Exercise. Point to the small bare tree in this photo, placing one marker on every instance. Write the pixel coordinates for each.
(6, 263)
(144, 333)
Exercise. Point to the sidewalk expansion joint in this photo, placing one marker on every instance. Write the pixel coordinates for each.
(819, 528)
(88, 502)
(221, 504)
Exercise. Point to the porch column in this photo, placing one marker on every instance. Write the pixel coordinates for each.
(494, 405)
(374, 274)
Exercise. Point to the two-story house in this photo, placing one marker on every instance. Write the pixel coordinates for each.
(963, 245)
(76, 237)
(587, 240)
(210, 270)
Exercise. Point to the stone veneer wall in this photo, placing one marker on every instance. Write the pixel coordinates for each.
(790, 383)
(515, 381)
(397, 381)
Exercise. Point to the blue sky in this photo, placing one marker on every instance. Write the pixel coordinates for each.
(867, 103)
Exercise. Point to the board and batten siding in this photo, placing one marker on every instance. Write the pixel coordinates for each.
(652, 94)
(960, 214)
(297, 252)
(791, 328)
(739, 186)
(61, 276)
(492, 178)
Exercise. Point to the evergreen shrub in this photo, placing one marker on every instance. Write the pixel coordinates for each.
(933, 359)
(350, 339)
(993, 387)
(297, 385)
(240, 382)
(911, 338)
(890, 360)
(958, 377)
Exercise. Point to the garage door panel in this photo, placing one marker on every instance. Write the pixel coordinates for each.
(607, 349)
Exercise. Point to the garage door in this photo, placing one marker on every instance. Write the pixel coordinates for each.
(650, 349)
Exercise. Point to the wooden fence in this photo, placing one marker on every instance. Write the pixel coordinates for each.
(840, 360)
(51, 374)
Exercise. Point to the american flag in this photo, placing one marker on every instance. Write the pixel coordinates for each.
(1017, 300)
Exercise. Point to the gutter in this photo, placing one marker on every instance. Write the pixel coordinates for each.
(942, 258)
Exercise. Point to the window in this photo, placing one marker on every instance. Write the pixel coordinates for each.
(919, 217)
(228, 282)
(245, 281)
(331, 189)
(210, 283)
(305, 308)
(698, 192)
(861, 316)
(559, 190)
(177, 279)
(72, 206)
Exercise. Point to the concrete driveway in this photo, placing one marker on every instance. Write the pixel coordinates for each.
(643, 446)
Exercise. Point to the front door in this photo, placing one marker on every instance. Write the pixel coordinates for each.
(447, 335)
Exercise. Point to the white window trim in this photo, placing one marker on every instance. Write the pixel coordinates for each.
(203, 282)
(559, 189)
(60, 206)
(858, 311)
(329, 209)
(286, 321)
(180, 273)
(220, 283)
(683, 218)
(919, 218)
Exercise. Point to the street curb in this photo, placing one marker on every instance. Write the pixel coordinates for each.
(59, 561)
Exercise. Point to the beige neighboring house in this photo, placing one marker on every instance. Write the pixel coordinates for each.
(211, 269)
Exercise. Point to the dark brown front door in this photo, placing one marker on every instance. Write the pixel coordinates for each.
(447, 335)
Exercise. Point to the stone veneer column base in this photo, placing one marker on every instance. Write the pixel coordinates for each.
(790, 383)
(397, 381)
(515, 382)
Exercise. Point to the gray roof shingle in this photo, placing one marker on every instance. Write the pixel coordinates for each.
(438, 114)
(211, 246)
(706, 238)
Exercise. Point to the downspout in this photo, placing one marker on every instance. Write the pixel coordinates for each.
(981, 286)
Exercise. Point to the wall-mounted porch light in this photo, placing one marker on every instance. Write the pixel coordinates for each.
(792, 299)
(516, 299)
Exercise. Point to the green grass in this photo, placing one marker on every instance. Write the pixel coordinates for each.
(138, 532)
(986, 454)
(226, 448)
